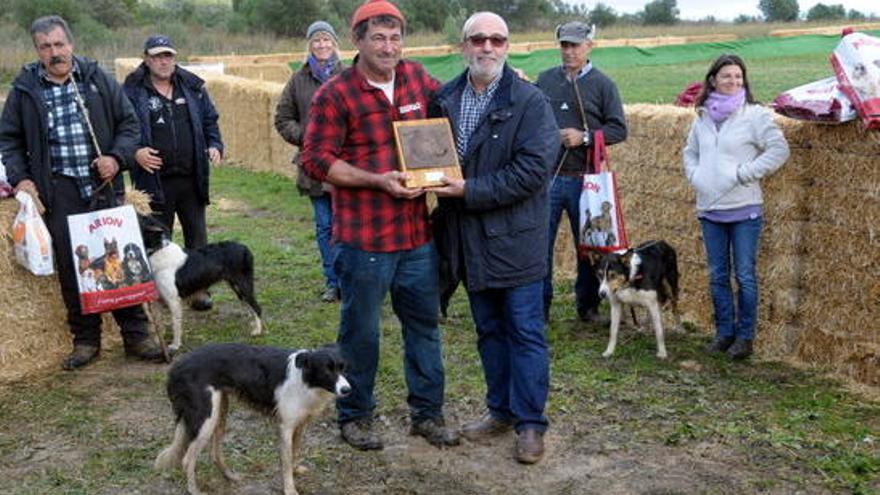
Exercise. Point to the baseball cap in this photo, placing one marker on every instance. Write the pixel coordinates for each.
(157, 44)
(575, 32)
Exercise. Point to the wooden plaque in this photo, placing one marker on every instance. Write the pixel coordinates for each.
(426, 150)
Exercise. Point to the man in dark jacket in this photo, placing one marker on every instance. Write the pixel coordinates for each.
(493, 222)
(179, 140)
(584, 100)
(47, 146)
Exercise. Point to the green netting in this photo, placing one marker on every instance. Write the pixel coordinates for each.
(446, 66)
(656, 75)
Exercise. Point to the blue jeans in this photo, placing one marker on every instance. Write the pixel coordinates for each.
(323, 209)
(565, 194)
(737, 240)
(513, 349)
(411, 278)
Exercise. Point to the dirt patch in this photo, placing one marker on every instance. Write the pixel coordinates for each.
(582, 457)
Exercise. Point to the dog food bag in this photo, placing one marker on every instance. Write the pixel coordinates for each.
(818, 101)
(111, 263)
(601, 224)
(856, 62)
(33, 244)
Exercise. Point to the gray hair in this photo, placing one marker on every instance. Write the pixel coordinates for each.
(45, 24)
(469, 23)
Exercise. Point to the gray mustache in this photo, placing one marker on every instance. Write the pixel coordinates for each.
(58, 59)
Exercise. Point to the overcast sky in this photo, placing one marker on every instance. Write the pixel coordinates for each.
(728, 9)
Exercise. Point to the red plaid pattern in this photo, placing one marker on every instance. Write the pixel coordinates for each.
(350, 120)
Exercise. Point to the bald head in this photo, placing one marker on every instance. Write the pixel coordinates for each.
(490, 20)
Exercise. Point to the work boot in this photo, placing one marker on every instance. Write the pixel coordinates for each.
(146, 350)
(361, 434)
(82, 355)
(719, 345)
(529, 446)
(201, 301)
(434, 430)
(486, 427)
(740, 349)
(331, 294)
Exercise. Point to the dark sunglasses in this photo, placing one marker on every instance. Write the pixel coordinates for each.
(480, 40)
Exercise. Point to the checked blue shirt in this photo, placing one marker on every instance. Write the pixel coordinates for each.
(70, 146)
(473, 105)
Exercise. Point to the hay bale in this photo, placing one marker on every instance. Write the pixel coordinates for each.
(33, 320)
(827, 30)
(247, 112)
(819, 280)
(274, 72)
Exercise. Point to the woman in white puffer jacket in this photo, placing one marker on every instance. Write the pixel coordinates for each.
(733, 144)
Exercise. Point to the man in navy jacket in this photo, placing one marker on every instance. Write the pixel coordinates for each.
(494, 227)
(179, 141)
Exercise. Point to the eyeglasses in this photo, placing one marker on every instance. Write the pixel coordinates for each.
(480, 40)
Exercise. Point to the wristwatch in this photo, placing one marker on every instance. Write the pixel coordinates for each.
(586, 138)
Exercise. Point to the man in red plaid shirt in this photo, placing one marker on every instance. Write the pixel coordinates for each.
(381, 226)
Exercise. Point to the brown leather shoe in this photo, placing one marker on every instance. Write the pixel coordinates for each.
(147, 350)
(81, 356)
(529, 446)
(486, 427)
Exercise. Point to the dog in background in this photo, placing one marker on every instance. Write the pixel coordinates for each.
(645, 276)
(292, 385)
(180, 273)
(134, 265)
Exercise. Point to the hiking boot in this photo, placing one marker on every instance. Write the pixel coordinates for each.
(529, 446)
(331, 294)
(740, 349)
(146, 350)
(361, 434)
(486, 427)
(80, 356)
(592, 316)
(434, 430)
(719, 345)
(201, 301)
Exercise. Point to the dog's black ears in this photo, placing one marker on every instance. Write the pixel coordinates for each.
(593, 257)
(302, 359)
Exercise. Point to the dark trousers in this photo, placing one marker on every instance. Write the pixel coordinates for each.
(181, 199)
(86, 329)
(565, 195)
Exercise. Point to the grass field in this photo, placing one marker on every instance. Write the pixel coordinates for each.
(631, 424)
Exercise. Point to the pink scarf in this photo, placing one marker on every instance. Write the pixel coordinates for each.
(720, 106)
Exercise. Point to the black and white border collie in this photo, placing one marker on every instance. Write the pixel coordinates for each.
(292, 385)
(644, 276)
(181, 273)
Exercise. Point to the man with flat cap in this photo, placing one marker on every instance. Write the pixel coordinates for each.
(584, 100)
(179, 141)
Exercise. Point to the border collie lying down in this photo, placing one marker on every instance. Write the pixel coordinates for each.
(644, 276)
(181, 273)
(292, 385)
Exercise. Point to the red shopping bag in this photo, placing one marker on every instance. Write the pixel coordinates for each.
(110, 259)
(601, 220)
